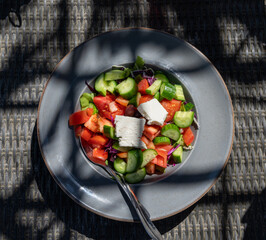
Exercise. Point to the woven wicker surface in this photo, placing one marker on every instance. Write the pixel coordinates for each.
(35, 35)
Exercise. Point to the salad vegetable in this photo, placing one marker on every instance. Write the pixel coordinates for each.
(145, 138)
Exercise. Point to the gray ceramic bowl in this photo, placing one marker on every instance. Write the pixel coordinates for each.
(182, 185)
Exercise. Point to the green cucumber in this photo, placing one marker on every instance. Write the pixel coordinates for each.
(183, 119)
(138, 98)
(114, 75)
(119, 148)
(161, 77)
(136, 177)
(120, 165)
(128, 88)
(179, 94)
(161, 141)
(157, 96)
(177, 154)
(85, 99)
(109, 131)
(133, 101)
(180, 141)
(111, 86)
(134, 160)
(102, 86)
(171, 131)
(167, 91)
(148, 155)
(154, 88)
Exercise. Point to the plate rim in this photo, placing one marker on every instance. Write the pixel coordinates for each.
(76, 199)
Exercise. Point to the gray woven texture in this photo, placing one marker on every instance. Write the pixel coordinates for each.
(33, 40)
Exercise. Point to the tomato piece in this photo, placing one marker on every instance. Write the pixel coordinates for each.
(100, 154)
(113, 106)
(151, 145)
(89, 111)
(92, 123)
(151, 131)
(154, 160)
(171, 106)
(102, 104)
(122, 155)
(86, 134)
(122, 101)
(166, 148)
(148, 143)
(98, 140)
(143, 85)
(78, 130)
(162, 162)
(103, 121)
(145, 98)
(162, 153)
(78, 118)
(150, 168)
(188, 136)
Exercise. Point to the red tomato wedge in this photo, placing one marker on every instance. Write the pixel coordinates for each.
(161, 153)
(98, 140)
(103, 121)
(148, 143)
(150, 168)
(166, 148)
(151, 131)
(188, 136)
(78, 130)
(80, 117)
(143, 85)
(122, 155)
(122, 101)
(86, 134)
(92, 123)
(171, 107)
(145, 98)
(99, 154)
(102, 104)
(162, 162)
(154, 161)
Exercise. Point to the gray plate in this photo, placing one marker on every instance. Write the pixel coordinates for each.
(163, 195)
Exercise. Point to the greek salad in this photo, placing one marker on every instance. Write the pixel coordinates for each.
(135, 121)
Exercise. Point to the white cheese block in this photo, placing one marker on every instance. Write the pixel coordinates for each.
(129, 131)
(153, 111)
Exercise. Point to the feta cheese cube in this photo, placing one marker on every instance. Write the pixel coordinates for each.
(129, 131)
(153, 111)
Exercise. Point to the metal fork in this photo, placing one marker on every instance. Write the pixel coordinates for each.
(142, 212)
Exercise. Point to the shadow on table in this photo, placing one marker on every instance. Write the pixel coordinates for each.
(85, 222)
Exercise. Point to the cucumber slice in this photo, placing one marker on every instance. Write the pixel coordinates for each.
(134, 160)
(177, 154)
(171, 131)
(120, 165)
(111, 86)
(183, 119)
(157, 96)
(161, 141)
(154, 88)
(102, 86)
(85, 99)
(133, 101)
(114, 75)
(136, 177)
(148, 155)
(180, 141)
(138, 98)
(119, 148)
(179, 94)
(109, 131)
(167, 91)
(128, 88)
(161, 77)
